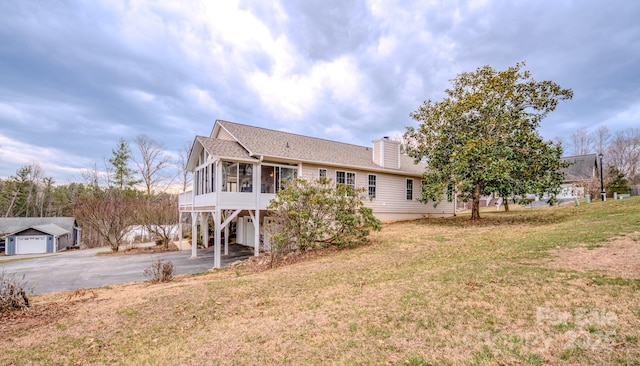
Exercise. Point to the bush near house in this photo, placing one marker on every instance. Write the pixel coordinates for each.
(317, 214)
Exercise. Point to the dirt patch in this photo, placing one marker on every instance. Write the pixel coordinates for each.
(618, 258)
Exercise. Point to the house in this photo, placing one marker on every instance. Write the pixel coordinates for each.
(238, 169)
(582, 169)
(31, 235)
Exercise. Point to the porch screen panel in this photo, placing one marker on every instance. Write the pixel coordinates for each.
(267, 182)
(245, 172)
(229, 176)
(284, 176)
(212, 183)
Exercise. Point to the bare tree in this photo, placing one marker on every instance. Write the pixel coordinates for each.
(109, 213)
(559, 140)
(624, 153)
(601, 138)
(160, 216)
(152, 164)
(91, 177)
(183, 161)
(582, 142)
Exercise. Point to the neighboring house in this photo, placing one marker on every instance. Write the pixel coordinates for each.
(141, 233)
(583, 168)
(239, 168)
(30, 235)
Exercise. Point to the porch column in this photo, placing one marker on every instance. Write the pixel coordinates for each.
(216, 240)
(256, 225)
(194, 234)
(226, 240)
(204, 228)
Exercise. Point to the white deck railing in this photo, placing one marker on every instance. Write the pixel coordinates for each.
(235, 200)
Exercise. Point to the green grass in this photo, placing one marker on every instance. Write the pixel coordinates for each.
(428, 292)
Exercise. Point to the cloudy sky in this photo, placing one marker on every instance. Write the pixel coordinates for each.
(75, 76)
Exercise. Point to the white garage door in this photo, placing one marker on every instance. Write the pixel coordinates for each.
(31, 244)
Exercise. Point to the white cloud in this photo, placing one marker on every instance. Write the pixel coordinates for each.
(56, 163)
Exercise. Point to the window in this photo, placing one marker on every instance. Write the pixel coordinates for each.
(229, 176)
(351, 180)
(409, 189)
(322, 174)
(347, 178)
(237, 177)
(284, 176)
(372, 186)
(267, 179)
(450, 192)
(275, 178)
(197, 182)
(245, 177)
(212, 183)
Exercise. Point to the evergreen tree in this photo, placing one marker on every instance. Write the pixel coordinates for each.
(123, 175)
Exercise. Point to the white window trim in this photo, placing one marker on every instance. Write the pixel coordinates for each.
(406, 189)
(375, 186)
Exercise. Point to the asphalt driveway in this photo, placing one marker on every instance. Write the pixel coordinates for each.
(71, 270)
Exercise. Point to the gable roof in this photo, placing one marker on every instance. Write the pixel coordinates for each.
(583, 167)
(11, 225)
(258, 142)
(50, 229)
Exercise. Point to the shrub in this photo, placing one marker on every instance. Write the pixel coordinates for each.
(13, 292)
(160, 271)
(316, 214)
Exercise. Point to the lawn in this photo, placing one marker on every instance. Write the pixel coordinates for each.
(532, 286)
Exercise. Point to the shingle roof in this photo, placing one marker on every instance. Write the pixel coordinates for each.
(51, 229)
(10, 225)
(224, 148)
(582, 167)
(274, 144)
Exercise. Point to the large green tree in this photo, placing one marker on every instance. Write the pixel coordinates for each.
(483, 136)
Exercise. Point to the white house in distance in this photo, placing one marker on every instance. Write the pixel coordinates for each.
(239, 168)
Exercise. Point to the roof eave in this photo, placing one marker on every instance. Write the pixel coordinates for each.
(355, 167)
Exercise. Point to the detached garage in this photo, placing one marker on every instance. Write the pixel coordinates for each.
(33, 235)
(34, 240)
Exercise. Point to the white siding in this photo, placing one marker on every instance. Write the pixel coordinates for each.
(390, 203)
(391, 154)
(386, 153)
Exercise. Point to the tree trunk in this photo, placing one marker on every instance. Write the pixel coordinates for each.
(506, 205)
(475, 203)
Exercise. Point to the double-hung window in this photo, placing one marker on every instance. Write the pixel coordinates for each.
(372, 186)
(409, 189)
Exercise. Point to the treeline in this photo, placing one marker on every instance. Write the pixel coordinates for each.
(131, 190)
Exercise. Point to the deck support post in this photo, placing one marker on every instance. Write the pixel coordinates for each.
(256, 225)
(216, 240)
(194, 234)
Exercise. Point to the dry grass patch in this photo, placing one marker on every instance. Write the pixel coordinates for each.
(426, 292)
(619, 257)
